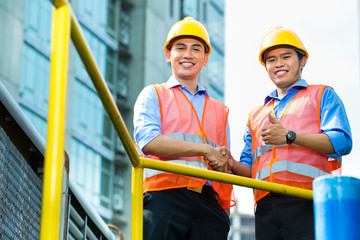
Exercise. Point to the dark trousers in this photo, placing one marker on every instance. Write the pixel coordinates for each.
(180, 214)
(281, 217)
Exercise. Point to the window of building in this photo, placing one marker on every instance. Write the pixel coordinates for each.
(37, 24)
(35, 65)
(216, 26)
(248, 222)
(205, 11)
(112, 6)
(34, 82)
(38, 121)
(106, 183)
(247, 236)
(219, 4)
(171, 8)
(96, 10)
(190, 8)
(124, 30)
(93, 173)
(89, 118)
(123, 73)
(216, 70)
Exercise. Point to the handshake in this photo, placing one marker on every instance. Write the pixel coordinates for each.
(220, 159)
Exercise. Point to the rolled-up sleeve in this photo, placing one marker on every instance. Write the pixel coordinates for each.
(245, 156)
(334, 123)
(147, 119)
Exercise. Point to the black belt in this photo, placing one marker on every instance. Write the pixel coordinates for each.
(271, 194)
(208, 192)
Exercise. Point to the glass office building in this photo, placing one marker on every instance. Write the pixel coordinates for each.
(126, 38)
(92, 147)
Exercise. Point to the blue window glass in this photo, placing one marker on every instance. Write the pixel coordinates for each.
(34, 82)
(122, 83)
(216, 27)
(88, 116)
(38, 15)
(216, 70)
(124, 30)
(93, 173)
(219, 4)
(38, 122)
(35, 65)
(106, 170)
(96, 10)
(105, 58)
(190, 8)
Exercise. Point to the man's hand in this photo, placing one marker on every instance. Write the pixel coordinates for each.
(225, 163)
(274, 134)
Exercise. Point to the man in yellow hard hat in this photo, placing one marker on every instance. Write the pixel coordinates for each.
(178, 122)
(299, 133)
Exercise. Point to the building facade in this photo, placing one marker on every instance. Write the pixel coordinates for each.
(242, 225)
(126, 38)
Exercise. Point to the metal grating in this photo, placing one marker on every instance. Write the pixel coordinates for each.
(20, 194)
(80, 223)
(21, 152)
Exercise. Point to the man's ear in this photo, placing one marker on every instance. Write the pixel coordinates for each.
(168, 56)
(303, 62)
(206, 58)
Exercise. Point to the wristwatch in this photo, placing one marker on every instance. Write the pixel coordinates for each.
(290, 137)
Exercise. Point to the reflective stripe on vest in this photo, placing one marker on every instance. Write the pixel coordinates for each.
(261, 150)
(191, 138)
(264, 148)
(190, 163)
(298, 168)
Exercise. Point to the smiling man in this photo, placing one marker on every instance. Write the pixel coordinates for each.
(178, 122)
(300, 133)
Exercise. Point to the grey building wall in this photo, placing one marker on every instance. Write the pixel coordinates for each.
(12, 14)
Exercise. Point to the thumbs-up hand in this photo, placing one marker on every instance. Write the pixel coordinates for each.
(272, 119)
(275, 133)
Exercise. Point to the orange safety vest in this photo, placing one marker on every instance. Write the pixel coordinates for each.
(291, 165)
(179, 120)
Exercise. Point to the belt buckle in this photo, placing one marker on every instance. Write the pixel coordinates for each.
(198, 190)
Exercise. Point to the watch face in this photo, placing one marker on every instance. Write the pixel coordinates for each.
(290, 136)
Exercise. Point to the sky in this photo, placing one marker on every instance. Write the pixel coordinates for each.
(329, 29)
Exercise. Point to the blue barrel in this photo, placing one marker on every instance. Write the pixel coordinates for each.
(337, 207)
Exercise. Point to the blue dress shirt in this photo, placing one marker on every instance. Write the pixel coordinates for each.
(147, 119)
(333, 120)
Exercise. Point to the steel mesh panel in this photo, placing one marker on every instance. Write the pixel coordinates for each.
(20, 194)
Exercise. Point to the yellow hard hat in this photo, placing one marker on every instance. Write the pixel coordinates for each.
(188, 27)
(281, 36)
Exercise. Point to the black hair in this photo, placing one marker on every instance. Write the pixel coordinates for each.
(206, 47)
(300, 53)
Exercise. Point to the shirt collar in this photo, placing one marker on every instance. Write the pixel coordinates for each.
(172, 82)
(299, 85)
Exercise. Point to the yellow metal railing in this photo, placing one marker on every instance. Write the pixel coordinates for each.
(54, 154)
(65, 24)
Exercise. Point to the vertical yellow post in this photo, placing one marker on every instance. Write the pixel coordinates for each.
(137, 204)
(54, 155)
